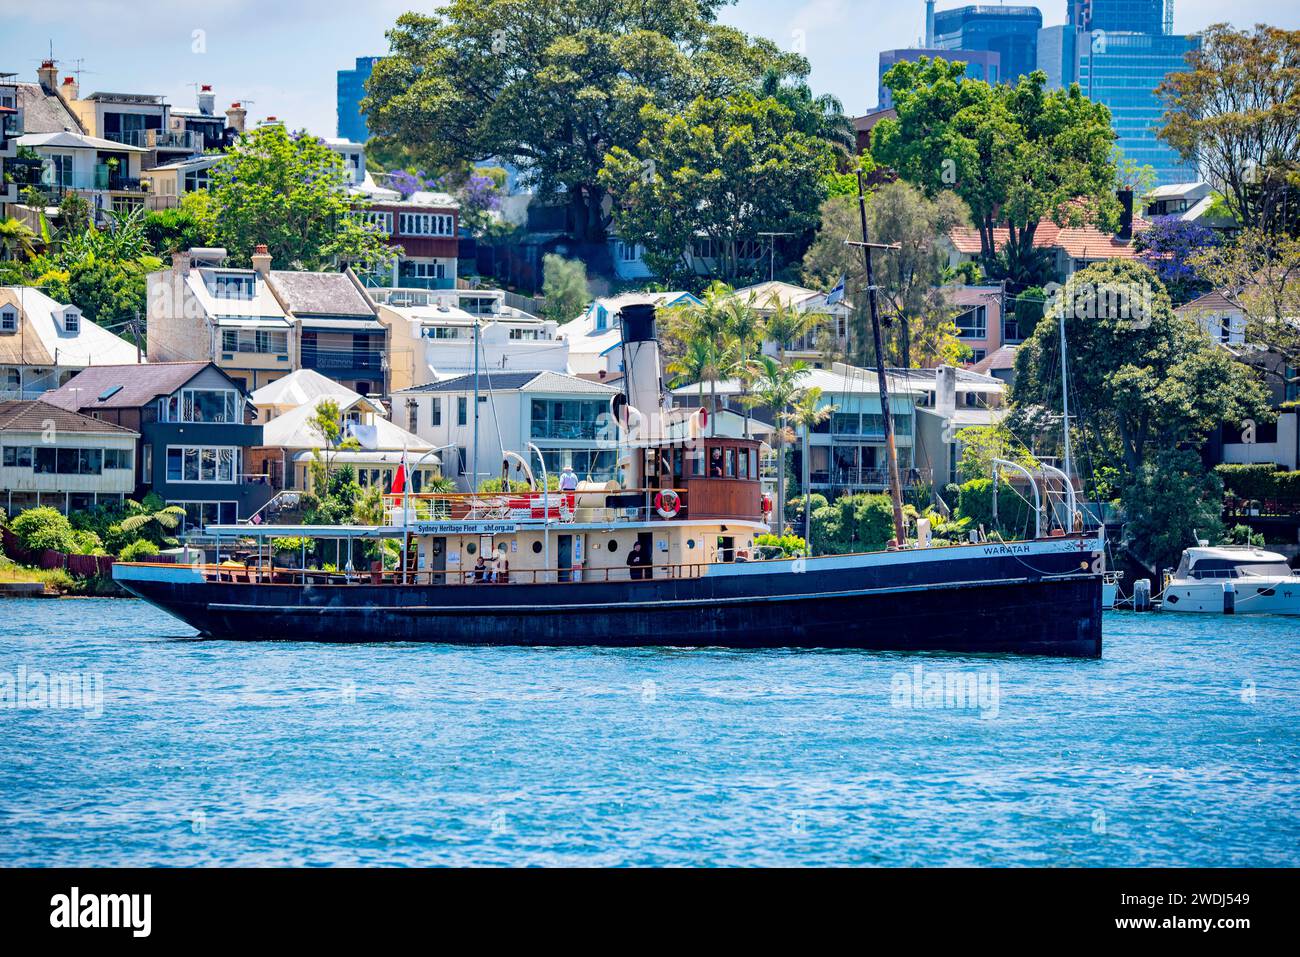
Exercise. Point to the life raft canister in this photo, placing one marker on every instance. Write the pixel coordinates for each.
(667, 503)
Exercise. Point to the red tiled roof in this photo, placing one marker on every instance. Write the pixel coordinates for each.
(1079, 242)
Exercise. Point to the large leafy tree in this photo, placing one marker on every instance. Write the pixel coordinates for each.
(1260, 271)
(1235, 112)
(1145, 383)
(725, 169)
(289, 192)
(1170, 246)
(1015, 154)
(552, 86)
(919, 329)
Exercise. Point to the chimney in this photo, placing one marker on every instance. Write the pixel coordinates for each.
(261, 260)
(181, 262)
(48, 76)
(69, 89)
(945, 391)
(207, 100)
(1126, 214)
(235, 117)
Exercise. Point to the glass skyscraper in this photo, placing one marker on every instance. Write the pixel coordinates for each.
(1123, 70)
(1011, 32)
(1123, 16)
(352, 89)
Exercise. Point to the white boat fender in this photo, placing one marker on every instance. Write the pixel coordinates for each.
(1229, 598)
(1142, 594)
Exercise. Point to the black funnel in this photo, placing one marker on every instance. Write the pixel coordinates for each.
(638, 322)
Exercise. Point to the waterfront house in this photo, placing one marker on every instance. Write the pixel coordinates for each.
(979, 319)
(595, 338)
(336, 324)
(258, 324)
(195, 431)
(106, 173)
(291, 440)
(43, 343)
(432, 335)
(52, 456)
(1071, 247)
(201, 309)
(563, 415)
(828, 335)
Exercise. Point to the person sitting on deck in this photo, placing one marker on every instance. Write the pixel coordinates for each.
(568, 480)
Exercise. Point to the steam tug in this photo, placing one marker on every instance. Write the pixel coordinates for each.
(666, 557)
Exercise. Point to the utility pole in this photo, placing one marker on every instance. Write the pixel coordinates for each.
(891, 450)
(771, 254)
(473, 485)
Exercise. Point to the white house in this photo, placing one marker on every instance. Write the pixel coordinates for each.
(594, 338)
(105, 172)
(563, 415)
(833, 329)
(51, 456)
(432, 335)
(44, 343)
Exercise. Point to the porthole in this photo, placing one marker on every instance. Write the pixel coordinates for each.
(537, 547)
(613, 544)
(690, 544)
(471, 548)
(503, 548)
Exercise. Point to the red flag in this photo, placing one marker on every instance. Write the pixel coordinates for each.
(399, 480)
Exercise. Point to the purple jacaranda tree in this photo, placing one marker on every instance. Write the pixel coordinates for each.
(1167, 246)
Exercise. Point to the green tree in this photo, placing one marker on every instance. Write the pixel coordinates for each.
(151, 519)
(776, 386)
(1233, 113)
(182, 227)
(564, 287)
(552, 86)
(1015, 154)
(16, 239)
(919, 328)
(806, 413)
(722, 168)
(980, 445)
(41, 528)
(289, 192)
(1144, 380)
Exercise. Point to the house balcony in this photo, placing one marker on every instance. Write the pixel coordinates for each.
(425, 282)
(335, 362)
(866, 478)
(186, 141)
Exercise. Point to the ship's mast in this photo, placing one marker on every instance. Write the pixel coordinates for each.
(1065, 404)
(891, 450)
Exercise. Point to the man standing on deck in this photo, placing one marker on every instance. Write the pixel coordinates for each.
(634, 562)
(568, 480)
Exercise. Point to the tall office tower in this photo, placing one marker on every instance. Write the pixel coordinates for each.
(1123, 16)
(1057, 56)
(351, 91)
(1011, 32)
(1123, 70)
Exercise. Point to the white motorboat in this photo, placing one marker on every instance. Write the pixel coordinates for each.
(1242, 580)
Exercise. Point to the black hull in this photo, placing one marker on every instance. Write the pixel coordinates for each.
(909, 608)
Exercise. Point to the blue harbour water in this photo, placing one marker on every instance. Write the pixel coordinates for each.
(1180, 747)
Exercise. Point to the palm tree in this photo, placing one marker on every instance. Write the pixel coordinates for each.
(745, 333)
(708, 355)
(16, 237)
(786, 325)
(807, 413)
(703, 362)
(776, 386)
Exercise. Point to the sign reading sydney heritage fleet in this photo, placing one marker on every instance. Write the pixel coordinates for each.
(464, 528)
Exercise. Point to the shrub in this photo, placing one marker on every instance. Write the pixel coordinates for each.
(975, 502)
(1288, 486)
(86, 542)
(137, 550)
(1252, 482)
(44, 527)
(791, 546)
(828, 531)
(795, 505)
(874, 522)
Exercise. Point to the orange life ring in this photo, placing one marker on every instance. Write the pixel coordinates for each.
(667, 503)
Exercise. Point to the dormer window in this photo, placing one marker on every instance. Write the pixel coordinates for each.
(8, 320)
(232, 286)
(602, 319)
(71, 321)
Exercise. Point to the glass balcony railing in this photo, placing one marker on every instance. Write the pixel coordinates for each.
(573, 429)
(425, 282)
(158, 139)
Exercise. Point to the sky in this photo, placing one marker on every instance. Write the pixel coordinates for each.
(279, 57)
